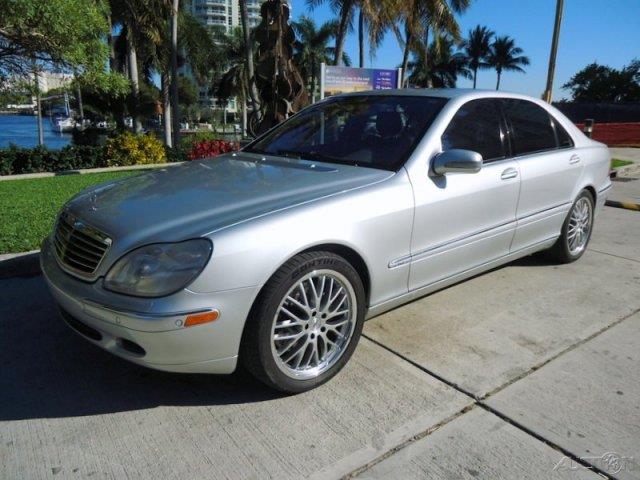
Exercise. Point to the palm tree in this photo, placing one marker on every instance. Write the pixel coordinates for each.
(375, 17)
(248, 58)
(440, 68)
(235, 80)
(175, 101)
(345, 10)
(477, 47)
(504, 56)
(419, 17)
(312, 48)
(144, 27)
(196, 42)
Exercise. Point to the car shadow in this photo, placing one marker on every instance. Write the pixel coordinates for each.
(48, 371)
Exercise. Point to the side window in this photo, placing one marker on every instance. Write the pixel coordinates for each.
(564, 139)
(531, 125)
(477, 126)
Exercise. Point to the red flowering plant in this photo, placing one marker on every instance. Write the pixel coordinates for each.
(210, 148)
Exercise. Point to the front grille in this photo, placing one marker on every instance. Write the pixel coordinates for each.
(79, 247)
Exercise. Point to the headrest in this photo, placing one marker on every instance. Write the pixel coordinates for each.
(389, 124)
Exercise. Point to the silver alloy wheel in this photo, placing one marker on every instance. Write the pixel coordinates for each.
(314, 324)
(579, 226)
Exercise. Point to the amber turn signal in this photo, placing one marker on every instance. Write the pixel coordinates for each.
(200, 318)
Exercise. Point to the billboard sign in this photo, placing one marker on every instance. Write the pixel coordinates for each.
(335, 80)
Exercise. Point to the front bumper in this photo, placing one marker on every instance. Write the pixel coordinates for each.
(150, 332)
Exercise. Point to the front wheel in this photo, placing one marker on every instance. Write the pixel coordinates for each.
(306, 323)
(576, 230)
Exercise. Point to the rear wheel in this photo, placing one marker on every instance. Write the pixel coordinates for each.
(306, 323)
(576, 230)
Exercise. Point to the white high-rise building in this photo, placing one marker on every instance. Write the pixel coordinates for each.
(225, 13)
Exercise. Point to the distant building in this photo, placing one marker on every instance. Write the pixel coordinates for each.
(225, 13)
(51, 80)
(47, 81)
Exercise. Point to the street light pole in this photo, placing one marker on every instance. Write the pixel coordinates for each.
(554, 50)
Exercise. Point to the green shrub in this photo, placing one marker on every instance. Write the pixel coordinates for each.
(15, 160)
(129, 149)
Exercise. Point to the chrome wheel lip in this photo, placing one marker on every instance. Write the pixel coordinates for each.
(579, 226)
(330, 356)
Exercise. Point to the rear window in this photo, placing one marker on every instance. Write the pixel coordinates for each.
(531, 126)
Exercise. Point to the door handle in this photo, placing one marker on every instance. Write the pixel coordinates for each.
(509, 173)
(574, 159)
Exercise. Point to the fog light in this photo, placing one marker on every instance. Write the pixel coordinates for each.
(200, 318)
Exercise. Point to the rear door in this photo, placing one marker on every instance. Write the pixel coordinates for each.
(549, 169)
(463, 220)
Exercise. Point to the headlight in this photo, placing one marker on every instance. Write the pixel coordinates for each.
(159, 269)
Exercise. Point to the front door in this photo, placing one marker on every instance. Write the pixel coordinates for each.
(463, 220)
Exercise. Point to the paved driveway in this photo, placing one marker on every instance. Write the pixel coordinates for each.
(528, 371)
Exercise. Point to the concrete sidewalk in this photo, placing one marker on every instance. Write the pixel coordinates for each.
(625, 189)
(528, 371)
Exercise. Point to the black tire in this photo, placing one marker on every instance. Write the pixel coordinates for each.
(256, 348)
(561, 251)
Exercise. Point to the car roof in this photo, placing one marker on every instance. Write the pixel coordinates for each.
(468, 93)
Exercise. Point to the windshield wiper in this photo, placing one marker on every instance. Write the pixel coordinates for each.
(254, 150)
(314, 156)
(290, 154)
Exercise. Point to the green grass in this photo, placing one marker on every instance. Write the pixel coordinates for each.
(617, 163)
(28, 207)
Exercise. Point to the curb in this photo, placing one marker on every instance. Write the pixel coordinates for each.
(625, 205)
(627, 170)
(24, 264)
(84, 171)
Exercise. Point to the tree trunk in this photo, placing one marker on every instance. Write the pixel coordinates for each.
(175, 100)
(425, 47)
(80, 106)
(135, 81)
(38, 108)
(313, 81)
(498, 83)
(248, 57)
(361, 37)
(243, 92)
(165, 82)
(475, 76)
(112, 52)
(405, 57)
(342, 32)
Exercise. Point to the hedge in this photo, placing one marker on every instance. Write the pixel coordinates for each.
(125, 149)
(15, 160)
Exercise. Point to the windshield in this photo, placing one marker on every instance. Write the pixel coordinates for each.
(367, 130)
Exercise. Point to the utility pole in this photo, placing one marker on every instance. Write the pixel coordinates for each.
(554, 51)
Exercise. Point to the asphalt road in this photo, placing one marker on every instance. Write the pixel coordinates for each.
(528, 371)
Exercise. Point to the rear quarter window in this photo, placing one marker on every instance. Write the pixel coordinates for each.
(564, 139)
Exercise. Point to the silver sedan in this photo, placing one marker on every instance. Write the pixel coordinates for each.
(275, 255)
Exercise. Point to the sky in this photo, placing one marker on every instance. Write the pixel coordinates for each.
(603, 31)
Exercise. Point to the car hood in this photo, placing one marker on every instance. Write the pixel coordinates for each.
(201, 196)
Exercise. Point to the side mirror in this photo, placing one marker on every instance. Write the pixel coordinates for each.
(457, 160)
